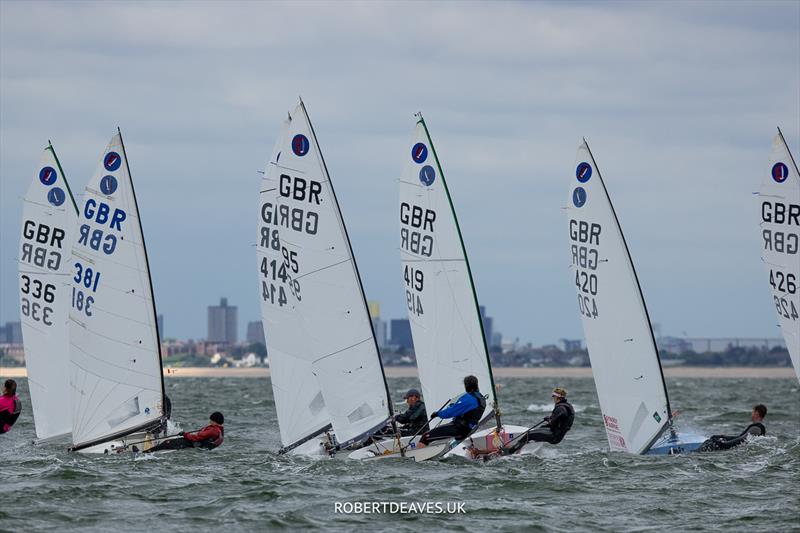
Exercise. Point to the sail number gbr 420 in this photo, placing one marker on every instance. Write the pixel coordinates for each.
(585, 241)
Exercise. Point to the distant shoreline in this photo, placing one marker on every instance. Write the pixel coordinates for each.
(736, 372)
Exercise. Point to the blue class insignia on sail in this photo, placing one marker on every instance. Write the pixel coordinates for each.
(108, 185)
(419, 153)
(780, 172)
(48, 175)
(427, 175)
(112, 161)
(583, 172)
(300, 145)
(579, 196)
(56, 196)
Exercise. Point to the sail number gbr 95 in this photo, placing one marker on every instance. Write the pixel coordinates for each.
(585, 241)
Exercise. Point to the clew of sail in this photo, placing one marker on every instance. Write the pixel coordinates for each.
(625, 362)
(49, 214)
(116, 376)
(324, 358)
(779, 197)
(440, 296)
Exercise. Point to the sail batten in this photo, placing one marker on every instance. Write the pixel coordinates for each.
(779, 229)
(116, 376)
(622, 349)
(48, 228)
(442, 305)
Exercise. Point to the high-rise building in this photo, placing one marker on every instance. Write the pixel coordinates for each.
(160, 325)
(255, 333)
(401, 333)
(378, 325)
(488, 322)
(222, 322)
(13, 333)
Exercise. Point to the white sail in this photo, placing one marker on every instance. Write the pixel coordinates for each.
(440, 297)
(779, 197)
(625, 363)
(116, 376)
(324, 359)
(48, 227)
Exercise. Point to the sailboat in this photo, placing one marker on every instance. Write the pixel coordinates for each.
(780, 241)
(116, 377)
(327, 376)
(49, 214)
(449, 339)
(622, 349)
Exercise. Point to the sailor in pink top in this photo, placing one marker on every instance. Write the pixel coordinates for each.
(10, 406)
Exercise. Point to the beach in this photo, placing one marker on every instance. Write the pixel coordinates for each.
(731, 372)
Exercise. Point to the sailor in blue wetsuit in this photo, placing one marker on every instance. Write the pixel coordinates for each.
(726, 442)
(466, 413)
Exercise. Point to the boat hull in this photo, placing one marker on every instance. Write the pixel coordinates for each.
(142, 440)
(679, 443)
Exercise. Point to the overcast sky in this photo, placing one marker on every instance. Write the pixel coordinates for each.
(679, 102)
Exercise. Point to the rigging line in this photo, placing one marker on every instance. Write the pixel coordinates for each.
(301, 276)
(315, 361)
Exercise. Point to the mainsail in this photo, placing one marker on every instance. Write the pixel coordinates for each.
(116, 376)
(324, 361)
(48, 224)
(625, 362)
(780, 241)
(446, 325)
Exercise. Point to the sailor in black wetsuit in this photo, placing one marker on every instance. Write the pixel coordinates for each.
(416, 417)
(726, 442)
(466, 413)
(558, 423)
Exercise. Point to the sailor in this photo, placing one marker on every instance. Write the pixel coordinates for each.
(10, 406)
(415, 418)
(726, 442)
(466, 413)
(558, 423)
(209, 437)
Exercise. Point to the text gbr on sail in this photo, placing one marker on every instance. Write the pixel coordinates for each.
(48, 237)
(582, 232)
(100, 237)
(780, 213)
(412, 239)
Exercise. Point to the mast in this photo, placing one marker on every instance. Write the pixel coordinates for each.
(358, 275)
(149, 278)
(641, 295)
(786, 145)
(496, 406)
(61, 170)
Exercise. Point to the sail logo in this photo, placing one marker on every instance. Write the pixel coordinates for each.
(56, 196)
(48, 175)
(300, 145)
(112, 161)
(583, 172)
(419, 153)
(579, 196)
(780, 172)
(108, 185)
(427, 175)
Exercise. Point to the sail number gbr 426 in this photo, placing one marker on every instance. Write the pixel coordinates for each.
(585, 240)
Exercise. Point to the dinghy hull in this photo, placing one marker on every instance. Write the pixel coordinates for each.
(676, 444)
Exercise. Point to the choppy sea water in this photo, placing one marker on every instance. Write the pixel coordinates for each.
(575, 486)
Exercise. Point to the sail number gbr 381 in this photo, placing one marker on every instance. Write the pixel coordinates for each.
(585, 241)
